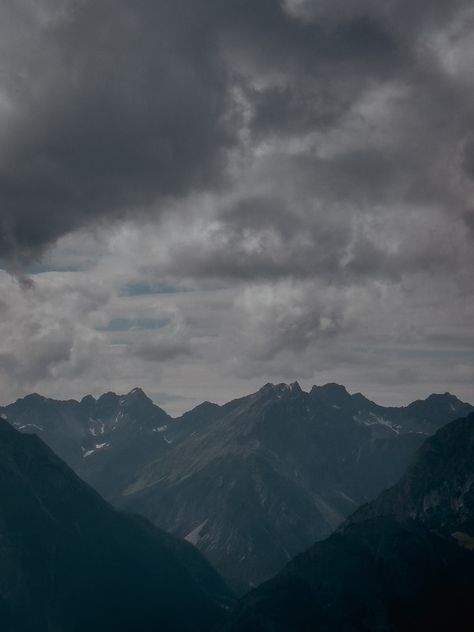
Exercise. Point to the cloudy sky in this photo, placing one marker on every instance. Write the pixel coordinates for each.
(198, 197)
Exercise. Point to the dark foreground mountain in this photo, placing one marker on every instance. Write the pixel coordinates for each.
(251, 483)
(438, 490)
(70, 562)
(383, 570)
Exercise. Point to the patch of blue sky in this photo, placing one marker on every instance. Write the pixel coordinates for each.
(42, 268)
(434, 353)
(138, 289)
(127, 324)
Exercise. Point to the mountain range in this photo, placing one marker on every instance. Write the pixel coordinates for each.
(404, 561)
(251, 483)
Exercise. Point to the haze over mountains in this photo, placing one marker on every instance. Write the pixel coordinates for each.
(251, 483)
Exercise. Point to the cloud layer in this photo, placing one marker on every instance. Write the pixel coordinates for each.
(287, 186)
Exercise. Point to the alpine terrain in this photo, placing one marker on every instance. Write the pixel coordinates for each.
(251, 483)
(402, 562)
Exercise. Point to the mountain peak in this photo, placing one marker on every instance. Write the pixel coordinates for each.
(331, 391)
(435, 397)
(137, 393)
(295, 387)
(109, 396)
(204, 407)
(281, 388)
(334, 387)
(34, 397)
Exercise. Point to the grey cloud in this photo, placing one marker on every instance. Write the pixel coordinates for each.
(172, 341)
(164, 350)
(107, 109)
(468, 217)
(110, 107)
(373, 187)
(48, 330)
(289, 317)
(332, 142)
(467, 159)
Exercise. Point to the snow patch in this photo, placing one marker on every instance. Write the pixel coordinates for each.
(387, 424)
(373, 420)
(348, 498)
(194, 536)
(98, 447)
(118, 418)
(27, 426)
(97, 427)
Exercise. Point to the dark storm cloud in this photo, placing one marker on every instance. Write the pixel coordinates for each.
(325, 61)
(468, 157)
(108, 107)
(378, 106)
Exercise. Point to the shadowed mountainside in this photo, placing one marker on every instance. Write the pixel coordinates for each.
(394, 564)
(70, 562)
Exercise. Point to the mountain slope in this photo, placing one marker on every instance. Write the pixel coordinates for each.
(438, 490)
(378, 575)
(70, 562)
(382, 570)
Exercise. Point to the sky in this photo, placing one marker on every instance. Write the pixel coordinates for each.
(201, 197)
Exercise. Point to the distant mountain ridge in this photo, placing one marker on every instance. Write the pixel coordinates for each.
(109, 416)
(252, 482)
(76, 429)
